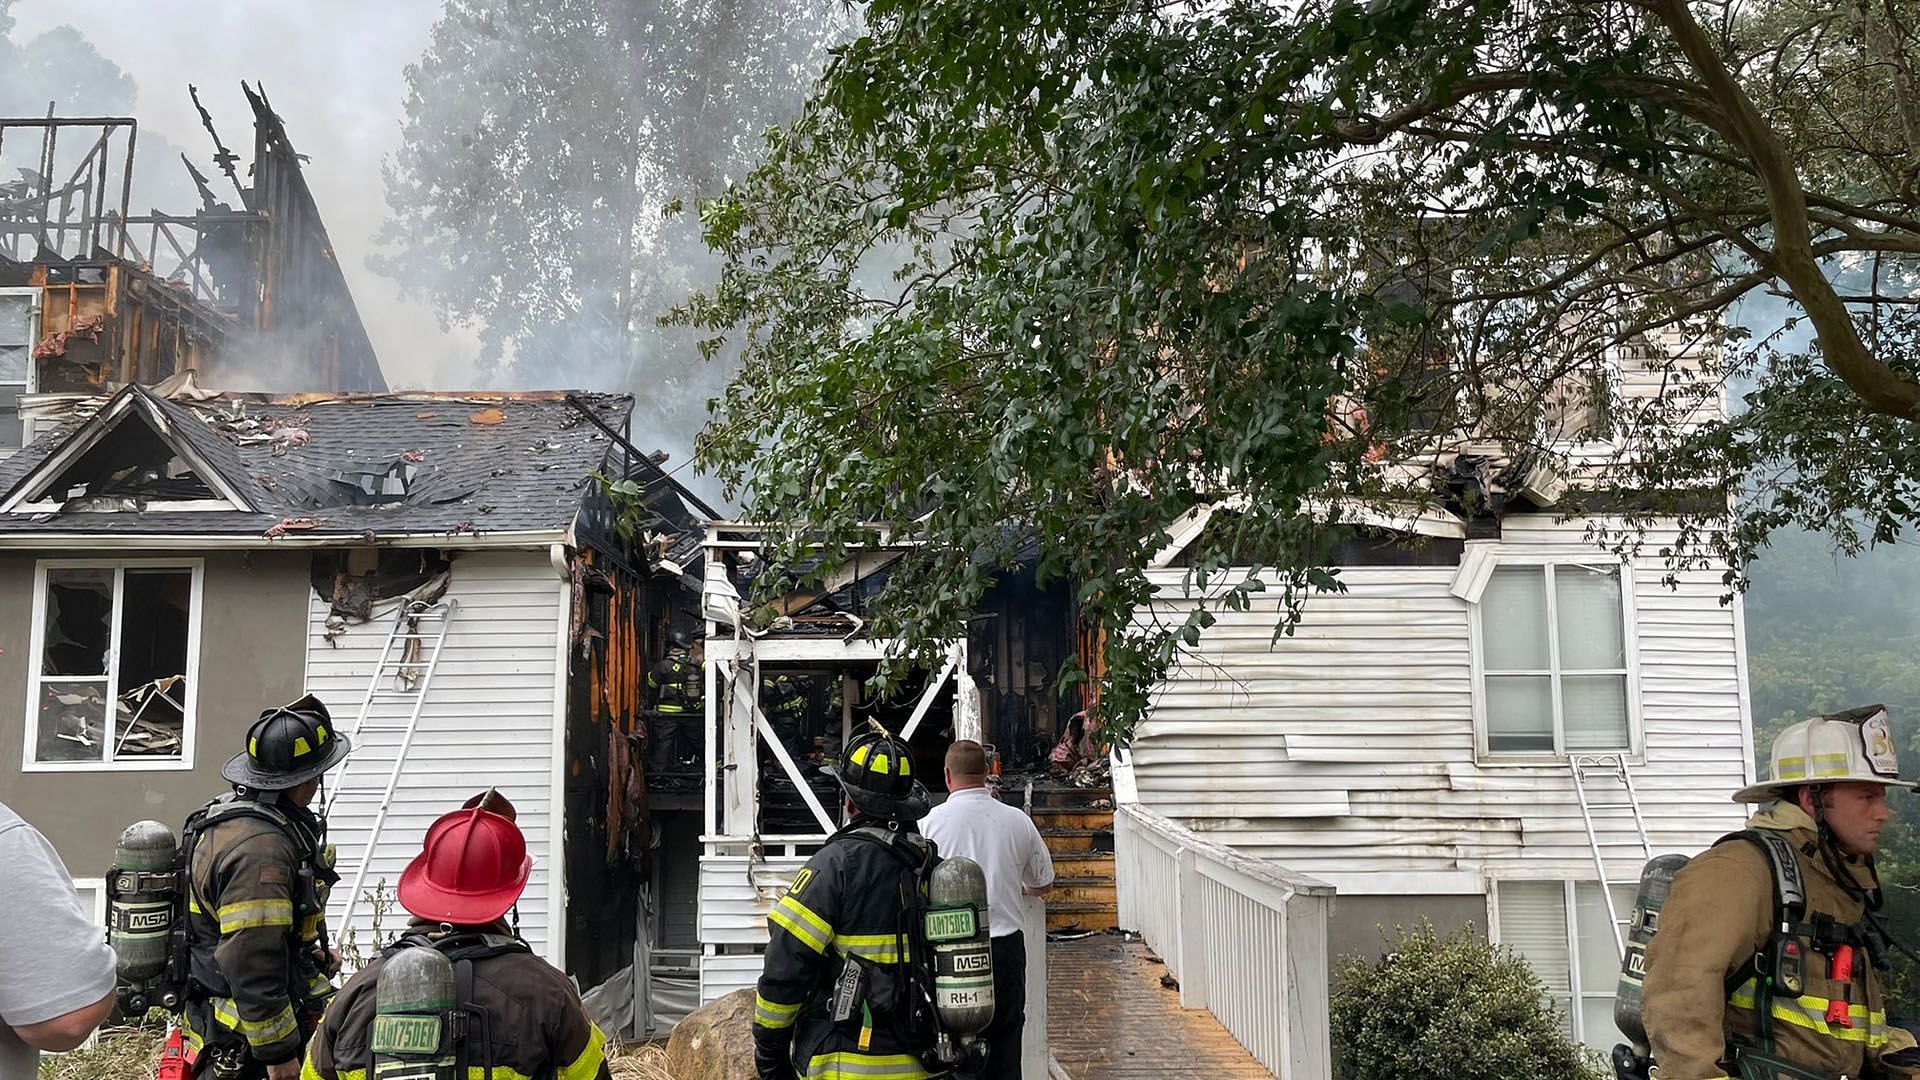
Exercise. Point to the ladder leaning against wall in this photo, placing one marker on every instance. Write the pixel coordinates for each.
(1621, 807)
(402, 676)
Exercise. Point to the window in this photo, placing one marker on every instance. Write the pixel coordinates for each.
(1554, 659)
(19, 309)
(116, 649)
(1560, 928)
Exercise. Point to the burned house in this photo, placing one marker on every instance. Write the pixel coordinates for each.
(446, 571)
(96, 293)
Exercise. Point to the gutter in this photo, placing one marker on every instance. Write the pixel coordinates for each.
(537, 538)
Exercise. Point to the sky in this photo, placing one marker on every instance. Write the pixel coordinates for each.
(334, 71)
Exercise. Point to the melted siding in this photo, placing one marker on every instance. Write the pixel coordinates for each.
(1348, 748)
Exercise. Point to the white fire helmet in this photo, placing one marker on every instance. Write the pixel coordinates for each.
(1856, 745)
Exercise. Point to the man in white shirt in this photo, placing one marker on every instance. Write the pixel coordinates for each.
(1002, 839)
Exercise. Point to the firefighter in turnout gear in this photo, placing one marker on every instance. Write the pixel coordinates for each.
(259, 967)
(521, 1017)
(841, 997)
(787, 713)
(674, 703)
(1728, 991)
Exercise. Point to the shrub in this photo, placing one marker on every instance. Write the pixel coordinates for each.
(1453, 1008)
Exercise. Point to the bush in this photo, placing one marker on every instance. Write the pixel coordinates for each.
(1453, 1008)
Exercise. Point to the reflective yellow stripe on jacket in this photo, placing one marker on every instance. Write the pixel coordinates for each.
(587, 1065)
(878, 948)
(1809, 1012)
(474, 1072)
(251, 914)
(799, 920)
(852, 1066)
(773, 1014)
(279, 1026)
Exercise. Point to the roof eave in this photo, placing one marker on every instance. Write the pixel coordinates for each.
(531, 539)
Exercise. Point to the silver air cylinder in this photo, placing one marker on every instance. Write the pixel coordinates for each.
(958, 932)
(1656, 881)
(143, 890)
(415, 1004)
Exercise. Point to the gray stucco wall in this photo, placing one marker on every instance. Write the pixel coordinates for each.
(1354, 929)
(253, 655)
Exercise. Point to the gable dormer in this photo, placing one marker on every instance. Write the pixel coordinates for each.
(129, 456)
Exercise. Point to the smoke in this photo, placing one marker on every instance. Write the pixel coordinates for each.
(546, 147)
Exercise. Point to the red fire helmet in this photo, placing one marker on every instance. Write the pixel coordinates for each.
(469, 872)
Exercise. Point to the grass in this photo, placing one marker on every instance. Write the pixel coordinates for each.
(129, 1053)
(120, 1053)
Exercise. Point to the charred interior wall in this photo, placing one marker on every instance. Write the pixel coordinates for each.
(104, 321)
(1021, 638)
(620, 621)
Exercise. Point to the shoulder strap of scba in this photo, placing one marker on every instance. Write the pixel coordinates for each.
(1779, 966)
(462, 946)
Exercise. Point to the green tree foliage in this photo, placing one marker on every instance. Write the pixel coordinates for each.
(543, 141)
(1452, 1008)
(1065, 271)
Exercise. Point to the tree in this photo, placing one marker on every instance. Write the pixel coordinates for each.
(543, 143)
(1066, 271)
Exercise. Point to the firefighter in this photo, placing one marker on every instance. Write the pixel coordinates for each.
(1711, 1008)
(674, 701)
(470, 872)
(841, 996)
(787, 712)
(260, 969)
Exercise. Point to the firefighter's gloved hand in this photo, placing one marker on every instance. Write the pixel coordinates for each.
(286, 1070)
(773, 1052)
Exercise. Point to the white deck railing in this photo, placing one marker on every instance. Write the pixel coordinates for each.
(1246, 938)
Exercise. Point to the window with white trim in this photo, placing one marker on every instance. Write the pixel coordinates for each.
(1561, 929)
(115, 658)
(19, 318)
(1553, 659)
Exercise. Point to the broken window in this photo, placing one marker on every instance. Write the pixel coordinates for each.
(113, 685)
(1554, 660)
(129, 467)
(19, 309)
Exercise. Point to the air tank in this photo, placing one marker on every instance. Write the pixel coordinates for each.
(958, 932)
(143, 890)
(1656, 882)
(415, 1002)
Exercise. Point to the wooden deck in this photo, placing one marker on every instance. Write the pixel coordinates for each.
(1108, 1018)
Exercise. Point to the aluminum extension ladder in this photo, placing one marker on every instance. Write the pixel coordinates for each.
(403, 675)
(1614, 767)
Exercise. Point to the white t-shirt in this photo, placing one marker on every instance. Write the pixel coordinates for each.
(53, 957)
(1003, 840)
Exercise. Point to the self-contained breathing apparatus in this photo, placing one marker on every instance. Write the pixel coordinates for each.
(426, 1023)
(149, 887)
(948, 1001)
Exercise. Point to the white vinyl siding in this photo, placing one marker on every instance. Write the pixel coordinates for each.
(1560, 928)
(1347, 751)
(490, 720)
(736, 892)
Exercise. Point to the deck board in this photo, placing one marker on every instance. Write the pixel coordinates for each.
(1108, 1018)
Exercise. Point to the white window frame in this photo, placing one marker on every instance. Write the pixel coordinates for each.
(33, 338)
(196, 604)
(1636, 735)
(1569, 898)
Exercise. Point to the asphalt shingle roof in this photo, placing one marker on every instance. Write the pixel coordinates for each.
(470, 463)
